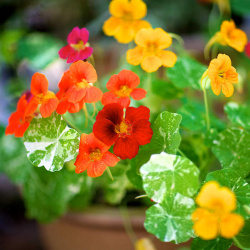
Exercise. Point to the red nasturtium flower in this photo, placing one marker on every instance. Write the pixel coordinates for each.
(125, 132)
(121, 87)
(76, 88)
(93, 156)
(18, 122)
(42, 99)
(78, 46)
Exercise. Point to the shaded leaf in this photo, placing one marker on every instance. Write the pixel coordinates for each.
(216, 244)
(244, 236)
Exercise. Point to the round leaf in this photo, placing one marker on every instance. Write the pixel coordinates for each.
(216, 244)
(244, 236)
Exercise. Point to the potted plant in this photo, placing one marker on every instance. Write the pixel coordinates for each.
(159, 133)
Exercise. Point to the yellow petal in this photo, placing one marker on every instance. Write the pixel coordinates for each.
(168, 58)
(118, 8)
(226, 27)
(225, 62)
(141, 24)
(138, 9)
(125, 33)
(227, 88)
(216, 86)
(151, 63)
(135, 56)
(143, 37)
(230, 225)
(144, 244)
(162, 38)
(216, 198)
(237, 40)
(111, 26)
(232, 75)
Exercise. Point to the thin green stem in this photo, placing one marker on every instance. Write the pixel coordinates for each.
(206, 106)
(181, 153)
(109, 173)
(71, 125)
(239, 245)
(178, 38)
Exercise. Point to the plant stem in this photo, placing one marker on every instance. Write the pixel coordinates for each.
(109, 173)
(71, 125)
(239, 245)
(178, 38)
(141, 196)
(206, 107)
(181, 153)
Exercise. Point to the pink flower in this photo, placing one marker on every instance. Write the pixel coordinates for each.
(78, 46)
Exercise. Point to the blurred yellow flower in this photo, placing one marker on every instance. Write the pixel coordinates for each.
(222, 75)
(228, 35)
(214, 215)
(125, 20)
(150, 51)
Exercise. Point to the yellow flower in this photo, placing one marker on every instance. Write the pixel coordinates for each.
(228, 35)
(214, 215)
(125, 21)
(222, 75)
(150, 51)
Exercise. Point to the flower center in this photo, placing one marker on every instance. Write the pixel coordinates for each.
(127, 15)
(78, 46)
(95, 155)
(84, 84)
(44, 98)
(124, 91)
(123, 129)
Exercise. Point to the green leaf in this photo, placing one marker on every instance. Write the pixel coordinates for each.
(244, 236)
(238, 114)
(14, 162)
(216, 244)
(232, 149)
(134, 175)
(166, 90)
(166, 138)
(171, 220)
(187, 72)
(47, 194)
(169, 174)
(230, 179)
(50, 143)
(241, 7)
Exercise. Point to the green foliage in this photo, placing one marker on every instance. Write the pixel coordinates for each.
(133, 175)
(230, 179)
(216, 244)
(244, 236)
(241, 7)
(169, 174)
(50, 143)
(171, 219)
(47, 194)
(238, 114)
(187, 72)
(232, 149)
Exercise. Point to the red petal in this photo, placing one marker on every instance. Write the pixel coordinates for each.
(65, 51)
(85, 53)
(124, 101)
(142, 132)
(135, 114)
(110, 159)
(74, 36)
(84, 35)
(96, 169)
(126, 147)
(103, 129)
(112, 112)
(109, 97)
(62, 107)
(75, 107)
(138, 94)
(21, 130)
(39, 84)
(73, 57)
(49, 107)
(32, 106)
(128, 77)
(83, 70)
(14, 121)
(113, 83)
(93, 94)
(81, 163)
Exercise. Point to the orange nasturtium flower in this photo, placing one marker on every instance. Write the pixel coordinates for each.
(18, 122)
(214, 215)
(94, 156)
(228, 35)
(125, 21)
(222, 75)
(76, 88)
(150, 52)
(121, 87)
(42, 99)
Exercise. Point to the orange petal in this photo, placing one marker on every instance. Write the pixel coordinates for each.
(144, 36)
(225, 62)
(77, 95)
(49, 107)
(109, 97)
(138, 94)
(237, 40)
(230, 225)
(216, 86)
(151, 63)
(63, 107)
(135, 56)
(129, 78)
(81, 163)
(227, 88)
(32, 106)
(93, 94)
(168, 58)
(111, 26)
(96, 168)
(232, 75)
(39, 84)
(21, 130)
(110, 159)
(162, 38)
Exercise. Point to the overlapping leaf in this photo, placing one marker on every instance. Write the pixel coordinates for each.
(216, 244)
(244, 236)
(50, 143)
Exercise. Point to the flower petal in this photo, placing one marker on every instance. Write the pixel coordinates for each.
(126, 147)
(32, 106)
(110, 159)
(227, 88)
(232, 75)
(96, 169)
(138, 94)
(135, 114)
(141, 24)
(74, 36)
(111, 26)
(73, 57)
(151, 63)
(216, 86)
(135, 56)
(39, 84)
(162, 38)
(124, 101)
(81, 163)
(85, 53)
(125, 33)
(84, 35)
(21, 129)
(93, 94)
(112, 112)
(63, 107)
(168, 58)
(129, 78)
(142, 132)
(65, 51)
(109, 97)
(77, 95)
(138, 9)
(118, 7)
(49, 107)
(143, 37)
(75, 107)
(113, 83)
(237, 40)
